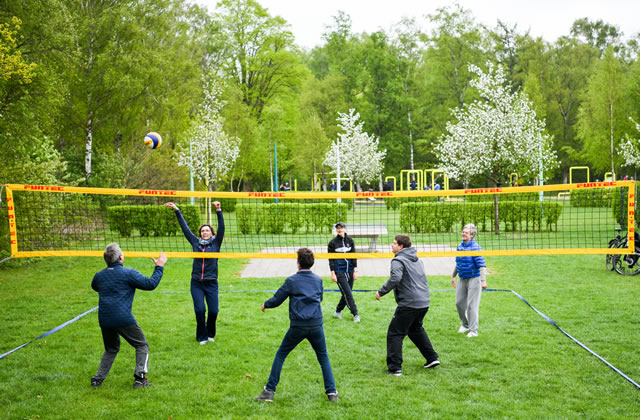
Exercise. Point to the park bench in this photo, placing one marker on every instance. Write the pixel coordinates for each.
(366, 231)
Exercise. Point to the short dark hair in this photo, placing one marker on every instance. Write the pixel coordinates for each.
(403, 240)
(305, 258)
(112, 253)
(213, 232)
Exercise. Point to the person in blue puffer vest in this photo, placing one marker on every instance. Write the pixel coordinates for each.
(472, 273)
(204, 273)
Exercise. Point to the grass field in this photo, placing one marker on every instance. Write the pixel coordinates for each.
(519, 367)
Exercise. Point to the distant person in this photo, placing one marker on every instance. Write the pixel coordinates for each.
(116, 287)
(344, 272)
(204, 272)
(472, 273)
(436, 187)
(411, 291)
(332, 186)
(304, 290)
(413, 185)
(387, 186)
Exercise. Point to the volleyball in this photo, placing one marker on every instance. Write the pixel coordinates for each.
(153, 140)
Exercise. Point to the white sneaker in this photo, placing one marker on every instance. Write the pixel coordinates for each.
(202, 343)
(356, 318)
(337, 315)
(462, 329)
(211, 339)
(472, 334)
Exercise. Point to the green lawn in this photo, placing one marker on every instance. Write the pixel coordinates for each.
(519, 367)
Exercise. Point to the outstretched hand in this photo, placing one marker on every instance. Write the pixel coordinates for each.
(171, 205)
(161, 260)
(216, 204)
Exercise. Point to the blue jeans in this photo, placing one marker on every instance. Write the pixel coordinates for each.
(292, 338)
(201, 291)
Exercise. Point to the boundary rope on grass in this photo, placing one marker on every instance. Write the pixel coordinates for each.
(552, 322)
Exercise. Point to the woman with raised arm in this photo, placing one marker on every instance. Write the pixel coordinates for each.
(204, 274)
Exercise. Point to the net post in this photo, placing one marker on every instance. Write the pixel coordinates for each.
(631, 218)
(13, 235)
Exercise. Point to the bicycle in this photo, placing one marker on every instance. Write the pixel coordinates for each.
(627, 264)
(614, 243)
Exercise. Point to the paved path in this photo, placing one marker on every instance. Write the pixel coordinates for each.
(378, 267)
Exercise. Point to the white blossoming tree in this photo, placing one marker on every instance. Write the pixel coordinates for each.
(630, 150)
(209, 152)
(355, 151)
(495, 135)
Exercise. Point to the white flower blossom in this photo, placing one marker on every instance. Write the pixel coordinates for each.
(495, 135)
(630, 149)
(360, 159)
(213, 151)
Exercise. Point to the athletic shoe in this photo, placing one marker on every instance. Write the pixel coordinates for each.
(472, 334)
(211, 339)
(394, 372)
(356, 318)
(203, 342)
(141, 383)
(432, 364)
(337, 315)
(96, 382)
(333, 396)
(462, 329)
(265, 395)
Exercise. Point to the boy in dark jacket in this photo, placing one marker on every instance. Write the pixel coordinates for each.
(304, 290)
(344, 271)
(411, 290)
(116, 287)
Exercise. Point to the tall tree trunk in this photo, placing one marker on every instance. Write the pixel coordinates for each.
(88, 146)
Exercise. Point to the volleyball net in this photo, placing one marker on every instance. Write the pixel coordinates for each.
(551, 219)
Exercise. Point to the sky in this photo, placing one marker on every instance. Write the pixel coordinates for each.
(548, 19)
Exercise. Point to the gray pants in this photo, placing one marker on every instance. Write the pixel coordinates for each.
(111, 338)
(468, 292)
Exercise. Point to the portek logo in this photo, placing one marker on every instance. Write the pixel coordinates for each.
(42, 188)
(266, 194)
(374, 194)
(156, 192)
(597, 184)
(483, 190)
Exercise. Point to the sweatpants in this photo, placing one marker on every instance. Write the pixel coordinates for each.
(133, 335)
(345, 284)
(468, 292)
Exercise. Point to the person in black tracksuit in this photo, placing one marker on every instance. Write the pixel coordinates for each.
(204, 272)
(344, 271)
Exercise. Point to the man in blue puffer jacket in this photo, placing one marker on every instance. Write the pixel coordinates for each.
(472, 273)
(116, 287)
(304, 290)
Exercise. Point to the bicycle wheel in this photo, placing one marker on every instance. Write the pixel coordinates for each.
(614, 243)
(627, 265)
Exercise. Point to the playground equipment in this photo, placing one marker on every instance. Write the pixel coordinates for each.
(411, 173)
(571, 169)
(395, 182)
(609, 176)
(434, 175)
(334, 180)
(513, 179)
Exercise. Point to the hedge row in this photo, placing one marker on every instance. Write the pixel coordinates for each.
(600, 197)
(441, 217)
(290, 217)
(156, 220)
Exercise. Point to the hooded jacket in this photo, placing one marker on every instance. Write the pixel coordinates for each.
(342, 245)
(469, 266)
(116, 286)
(203, 268)
(304, 290)
(407, 280)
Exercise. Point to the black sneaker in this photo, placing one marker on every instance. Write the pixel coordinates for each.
(333, 396)
(394, 372)
(141, 383)
(432, 364)
(265, 395)
(96, 382)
